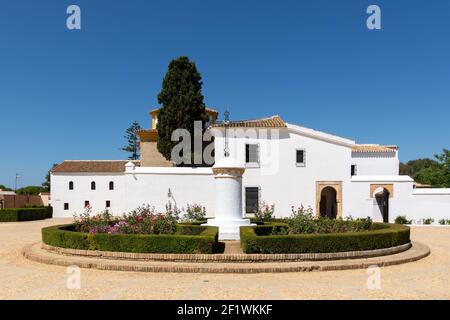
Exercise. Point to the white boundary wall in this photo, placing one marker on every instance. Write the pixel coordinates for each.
(430, 203)
(133, 188)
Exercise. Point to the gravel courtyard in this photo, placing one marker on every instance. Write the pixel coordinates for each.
(20, 278)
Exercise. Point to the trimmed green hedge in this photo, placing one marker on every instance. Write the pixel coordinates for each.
(187, 239)
(259, 240)
(25, 214)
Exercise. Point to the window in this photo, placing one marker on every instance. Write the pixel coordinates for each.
(93, 185)
(71, 185)
(251, 199)
(86, 203)
(353, 170)
(108, 204)
(111, 185)
(66, 206)
(300, 158)
(251, 153)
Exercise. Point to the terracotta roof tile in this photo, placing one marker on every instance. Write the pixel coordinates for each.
(270, 122)
(92, 166)
(373, 148)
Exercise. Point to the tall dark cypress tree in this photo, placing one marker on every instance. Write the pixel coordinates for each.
(181, 103)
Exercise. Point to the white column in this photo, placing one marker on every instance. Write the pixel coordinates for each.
(228, 211)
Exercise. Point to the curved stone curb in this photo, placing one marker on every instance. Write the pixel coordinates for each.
(36, 253)
(226, 258)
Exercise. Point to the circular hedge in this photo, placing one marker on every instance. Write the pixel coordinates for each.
(259, 239)
(187, 239)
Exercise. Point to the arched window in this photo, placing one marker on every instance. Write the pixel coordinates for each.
(111, 185)
(71, 185)
(93, 185)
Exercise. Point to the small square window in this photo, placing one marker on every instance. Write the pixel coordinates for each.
(251, 153)
(66, 206)
(108, 204)
(300, 159)
(86, 203)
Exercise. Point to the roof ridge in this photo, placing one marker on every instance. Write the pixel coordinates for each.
(257, 119)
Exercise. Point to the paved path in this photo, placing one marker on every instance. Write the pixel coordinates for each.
(20, 278)
(232, 247)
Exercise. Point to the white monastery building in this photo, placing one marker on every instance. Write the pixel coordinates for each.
(285, 164)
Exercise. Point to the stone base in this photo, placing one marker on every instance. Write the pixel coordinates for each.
(216, 263)
(229, 229)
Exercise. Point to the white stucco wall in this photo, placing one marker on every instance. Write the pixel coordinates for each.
(362, 204)
(376, 163)
(144, 185)
(281, 181)
(82, 192)
(430, 203)
(187, 185)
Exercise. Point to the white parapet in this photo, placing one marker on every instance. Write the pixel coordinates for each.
(228, 210)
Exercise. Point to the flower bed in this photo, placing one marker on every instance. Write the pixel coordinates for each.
(25, 214)
(273, 238)
(143, 230)
(186, 239)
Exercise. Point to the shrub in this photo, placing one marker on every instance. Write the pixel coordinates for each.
(427, 221)
(188, 239)
(264, 212)
(261, 239)
(142, 220)
(444, 222)
(25, 214)
(194, 213)
(402, 220)
(303, 221)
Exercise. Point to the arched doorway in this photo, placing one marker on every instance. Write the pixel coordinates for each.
(328, 203)
(381, 196)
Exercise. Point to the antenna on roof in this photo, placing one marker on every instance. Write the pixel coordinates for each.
(226, 122)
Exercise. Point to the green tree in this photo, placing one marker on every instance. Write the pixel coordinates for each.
(46, 183)
(412, 167)
(31, 190)
(181, 103)
(4, 188)
(437, 175)
(132, 146)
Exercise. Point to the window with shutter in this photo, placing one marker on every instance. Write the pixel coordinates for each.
(251, 153)
(300, 157)
(251, 199)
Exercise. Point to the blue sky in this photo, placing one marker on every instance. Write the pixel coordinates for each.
(71, 94)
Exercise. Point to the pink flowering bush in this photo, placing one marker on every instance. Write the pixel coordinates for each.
(142, 220)
(265, 212)
(194, 213)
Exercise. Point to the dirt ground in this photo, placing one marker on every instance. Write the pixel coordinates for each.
(20, 278)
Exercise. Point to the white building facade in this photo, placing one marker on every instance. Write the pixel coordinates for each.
(286, 165)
